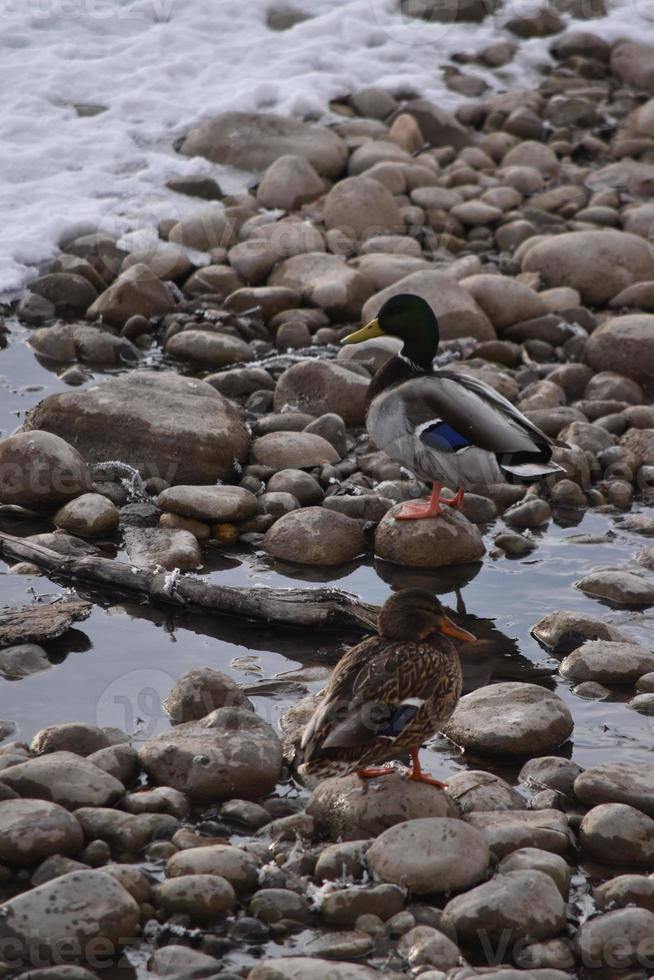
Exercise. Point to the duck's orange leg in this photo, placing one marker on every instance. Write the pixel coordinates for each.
(417, 512)
(456, 500)
(418, 776)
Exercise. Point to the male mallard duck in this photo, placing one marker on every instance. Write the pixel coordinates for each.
(389, 693)
(447, 428)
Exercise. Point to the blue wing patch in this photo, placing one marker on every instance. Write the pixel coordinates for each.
(441, 436)
(398, 721)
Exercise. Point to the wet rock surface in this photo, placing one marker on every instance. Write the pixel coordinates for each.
(510, 719)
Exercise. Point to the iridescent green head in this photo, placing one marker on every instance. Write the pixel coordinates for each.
(412, 320)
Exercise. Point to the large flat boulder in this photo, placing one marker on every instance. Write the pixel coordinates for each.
(162, 424)
(252, 141)
(458, 313)
(599, 264)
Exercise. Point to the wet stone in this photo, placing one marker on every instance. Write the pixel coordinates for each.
(532, 858)
(630, 889)
(425, 946)
(531, 512)
(518, 903)
(340, 945)
(310, 968)
(66, 779)
(84, 906)
(607, 663)
(346, 808)
(345, 860)
(231, 752)
(550, 772)
(450, 539)
(77, 737)
(122, 832)
(21, 661)
(273, 904)
(616, 938)
(430, 855)
(510, 719)
(620, 588)
(202, 896)
(508, 831)
(563, 631)
(618, 834)
(31, 830)
(478, 790)
(315, 536)
(343, 907)
(236, 866)
(212, 504)
(199, 692)
(612, 782)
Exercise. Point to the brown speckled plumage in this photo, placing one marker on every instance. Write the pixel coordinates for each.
(389, 693)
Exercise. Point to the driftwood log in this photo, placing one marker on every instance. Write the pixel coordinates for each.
(307, 608)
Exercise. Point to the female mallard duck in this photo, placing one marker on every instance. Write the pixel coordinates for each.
(448, 428)
(389, 693)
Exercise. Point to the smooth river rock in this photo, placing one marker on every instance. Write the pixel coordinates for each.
(607, 663)
(617, 782)
(229, 753)
(510, 719)
(199, 692)
(252, 141)
(430, 855)
(213, 504)
(618, 587)
(231, 863)
(564, 630)
(345, 807)
(517, 904)
(322, 387)
(31, 830)
(599, 264)
(310, 968)
(165, 425)
(90, 516)
(204, 897)
(315, 536)
(618, 940)
(506, 831)
(90, 910)
(618, 834)
(624, 344)
(40, 470)
(284, 450)
(434, 542)
(64, 778)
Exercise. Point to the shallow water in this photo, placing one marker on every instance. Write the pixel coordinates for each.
(117, 666)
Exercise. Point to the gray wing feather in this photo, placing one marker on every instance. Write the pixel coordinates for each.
(474, 409)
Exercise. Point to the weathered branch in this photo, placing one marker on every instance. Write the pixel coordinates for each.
(326, 608)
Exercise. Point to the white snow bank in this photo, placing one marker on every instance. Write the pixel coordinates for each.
(160, 66)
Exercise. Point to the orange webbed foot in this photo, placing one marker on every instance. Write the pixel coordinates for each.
(414, 511)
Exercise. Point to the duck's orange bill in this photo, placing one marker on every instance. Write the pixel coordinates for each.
(451, 629)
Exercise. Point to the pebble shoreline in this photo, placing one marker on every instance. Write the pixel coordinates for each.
(524, 219)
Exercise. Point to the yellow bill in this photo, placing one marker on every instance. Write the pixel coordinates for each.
(370, 330)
